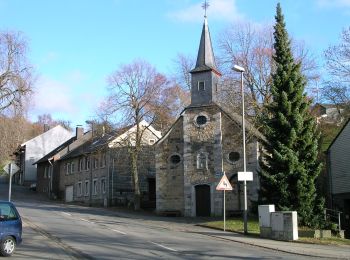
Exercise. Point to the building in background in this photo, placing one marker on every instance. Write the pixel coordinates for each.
(34, 149)
(338, 167)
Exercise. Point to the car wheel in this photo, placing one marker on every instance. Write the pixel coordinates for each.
(8, 246)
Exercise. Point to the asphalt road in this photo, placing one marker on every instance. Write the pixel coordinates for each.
(59, 231)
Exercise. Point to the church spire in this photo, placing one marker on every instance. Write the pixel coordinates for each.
(205, 57)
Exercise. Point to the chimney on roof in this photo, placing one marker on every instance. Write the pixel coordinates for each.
(46, 127)
(79, 132)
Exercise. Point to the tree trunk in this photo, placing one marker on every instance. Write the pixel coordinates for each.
(134, 171)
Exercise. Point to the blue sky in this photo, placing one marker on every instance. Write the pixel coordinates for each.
(75, 44)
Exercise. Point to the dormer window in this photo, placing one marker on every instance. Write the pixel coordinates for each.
(201, 86)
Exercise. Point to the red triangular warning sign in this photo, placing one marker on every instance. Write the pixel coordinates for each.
(224, 184)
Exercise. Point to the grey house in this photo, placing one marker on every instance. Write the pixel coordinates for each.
(338, 167)
(98, 172)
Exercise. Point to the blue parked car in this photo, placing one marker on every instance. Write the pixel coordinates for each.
(10, 228)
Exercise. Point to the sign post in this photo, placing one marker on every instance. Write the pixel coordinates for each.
(10, 168)
(224, 185)
(245, 176)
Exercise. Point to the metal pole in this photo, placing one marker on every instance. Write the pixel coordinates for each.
(224, 212)
(10, 181)
(339, 221)
(244, 160)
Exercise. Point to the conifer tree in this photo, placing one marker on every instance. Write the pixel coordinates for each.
(289, 164)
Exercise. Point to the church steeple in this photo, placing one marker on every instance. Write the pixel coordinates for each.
(205, 57)
(205, 76)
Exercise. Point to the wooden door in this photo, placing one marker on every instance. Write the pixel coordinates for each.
(202, 200)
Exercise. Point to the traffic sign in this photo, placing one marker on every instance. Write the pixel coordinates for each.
(224, 184)
(11, 168)
(245, 176)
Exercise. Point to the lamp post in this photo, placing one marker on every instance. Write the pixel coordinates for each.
(241, 70)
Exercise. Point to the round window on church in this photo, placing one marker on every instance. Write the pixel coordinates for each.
(233, 157)
(201, 120)
(175, 159)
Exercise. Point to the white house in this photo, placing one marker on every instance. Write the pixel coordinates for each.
(35, 148)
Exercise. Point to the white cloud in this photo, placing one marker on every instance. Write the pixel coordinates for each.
(51, 96)
(333, 3)
(218, 10)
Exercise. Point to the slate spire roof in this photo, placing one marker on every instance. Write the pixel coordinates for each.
(205, 57)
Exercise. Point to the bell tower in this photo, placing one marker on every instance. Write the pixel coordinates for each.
(205, 76)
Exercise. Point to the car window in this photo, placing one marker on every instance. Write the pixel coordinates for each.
(7, 212)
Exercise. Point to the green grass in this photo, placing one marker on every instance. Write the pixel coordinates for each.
(325, 241)
(236, 225)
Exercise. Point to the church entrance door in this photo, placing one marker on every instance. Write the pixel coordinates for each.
(202, 201)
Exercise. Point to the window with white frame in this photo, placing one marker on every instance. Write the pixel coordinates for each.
(103, 160)
(67, 168)
(87, 163)
(81, 164)
(72, 167)
(87, 188)
(201, 86)
(95, 162)
(103, 185)
(79, 189)
(94, 186)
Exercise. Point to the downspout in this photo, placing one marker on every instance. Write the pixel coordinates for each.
(51, 176)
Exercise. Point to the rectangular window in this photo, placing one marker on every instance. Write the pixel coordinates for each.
(94, 186)
(67, 168)
(72, 167)
(103, 185)
(81, 164)
(103, 160)
(87, 188)
(87, 163)
(95, 163)
(201, 86)
(79, 189)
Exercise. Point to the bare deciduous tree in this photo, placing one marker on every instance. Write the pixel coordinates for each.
(134, 89)
(183, 65)
(16, 76)
(336, 89)
(338, 59)
(252, 48)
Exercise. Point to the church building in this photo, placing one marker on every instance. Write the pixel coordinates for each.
(204, 142)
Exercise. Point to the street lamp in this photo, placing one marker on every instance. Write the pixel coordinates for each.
(241, 70)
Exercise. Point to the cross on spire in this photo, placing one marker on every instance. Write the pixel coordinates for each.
(205, 6)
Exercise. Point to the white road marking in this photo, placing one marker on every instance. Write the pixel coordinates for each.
(118, 231)
(83, 219)
(65, 213)
(165, 247)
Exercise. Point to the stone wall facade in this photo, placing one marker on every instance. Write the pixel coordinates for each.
(206, 148)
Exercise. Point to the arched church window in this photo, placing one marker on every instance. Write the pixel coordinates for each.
(202, 161)
(175, 159)
(233, 157)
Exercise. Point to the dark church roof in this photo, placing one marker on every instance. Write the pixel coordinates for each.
(205, 57)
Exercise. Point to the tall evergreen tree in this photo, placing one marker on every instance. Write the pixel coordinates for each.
(289, 164)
